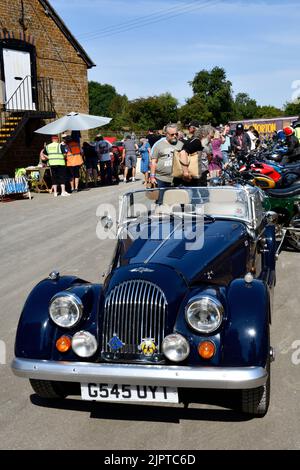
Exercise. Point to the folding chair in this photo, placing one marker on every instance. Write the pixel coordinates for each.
(38, 182)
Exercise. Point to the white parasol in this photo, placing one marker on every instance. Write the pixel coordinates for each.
(74, 122)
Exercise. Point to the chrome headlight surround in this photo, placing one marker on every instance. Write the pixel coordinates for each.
(176, 347)
(65, 309)
(84, 344)
(204, 314)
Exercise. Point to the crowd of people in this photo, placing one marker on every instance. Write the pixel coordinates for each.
(201, 154)
(207, 147)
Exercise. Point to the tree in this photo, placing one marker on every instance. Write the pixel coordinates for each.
(244, 107)
(216, 93)
(268, 112)
(119, 111)
(195, 108)
(292, 109)
(153, 112)
(100, 98)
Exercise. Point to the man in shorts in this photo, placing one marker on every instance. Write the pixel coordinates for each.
(55, 154)
(130, 157)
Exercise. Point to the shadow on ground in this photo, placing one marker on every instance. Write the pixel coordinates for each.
(149, 413)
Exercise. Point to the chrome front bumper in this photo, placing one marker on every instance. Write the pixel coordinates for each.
(136, 374)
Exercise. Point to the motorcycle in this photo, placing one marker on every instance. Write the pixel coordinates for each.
(286, 203)
(283, 176)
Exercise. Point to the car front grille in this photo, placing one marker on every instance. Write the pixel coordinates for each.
(133, 311)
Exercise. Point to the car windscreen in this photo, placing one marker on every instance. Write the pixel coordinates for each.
(220, 202)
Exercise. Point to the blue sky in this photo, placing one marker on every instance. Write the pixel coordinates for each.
(256, 42)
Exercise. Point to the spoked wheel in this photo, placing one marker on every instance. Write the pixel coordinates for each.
(293, 238)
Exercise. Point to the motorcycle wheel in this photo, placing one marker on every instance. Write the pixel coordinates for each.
(293, 238)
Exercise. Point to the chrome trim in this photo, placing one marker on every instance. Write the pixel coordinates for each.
(134, 310)
(124, 219)
(214, 300)
(54, 276)
(272, 354)
(75, 299)
(232, 378)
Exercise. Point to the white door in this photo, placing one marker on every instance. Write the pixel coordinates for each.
(17, 71)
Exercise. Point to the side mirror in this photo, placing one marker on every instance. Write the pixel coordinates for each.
(107, 222)
(272, 217)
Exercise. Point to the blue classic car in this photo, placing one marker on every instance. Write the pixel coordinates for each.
(185, 305)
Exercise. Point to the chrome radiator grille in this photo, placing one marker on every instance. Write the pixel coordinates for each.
(134, 310)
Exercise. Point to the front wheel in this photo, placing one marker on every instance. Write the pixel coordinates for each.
(48, 389)
(256, 401)
(293, 238)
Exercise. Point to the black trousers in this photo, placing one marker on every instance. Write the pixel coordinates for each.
(106, 172)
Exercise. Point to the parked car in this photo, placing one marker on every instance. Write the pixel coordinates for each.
(186, 305)
(115, 143)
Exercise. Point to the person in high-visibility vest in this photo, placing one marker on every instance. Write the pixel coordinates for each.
(74, 162)
(55, 153)
(296, 127)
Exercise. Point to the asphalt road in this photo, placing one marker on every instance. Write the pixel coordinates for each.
(47, 233)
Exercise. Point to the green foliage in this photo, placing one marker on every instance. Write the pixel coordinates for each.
(244, 107)
(119, 111)
(100, 97)
(195, 108)
(213, 90)
(268, 112)
(153, 112)
(292, 109)
(212, 102)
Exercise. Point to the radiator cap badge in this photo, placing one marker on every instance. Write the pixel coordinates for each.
(115, 343)
(148, 347)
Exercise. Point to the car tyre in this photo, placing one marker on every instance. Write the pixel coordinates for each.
(48, 389)
(256, 401)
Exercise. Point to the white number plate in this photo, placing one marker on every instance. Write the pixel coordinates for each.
(134, 393)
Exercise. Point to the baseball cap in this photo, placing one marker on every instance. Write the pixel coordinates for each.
(194, 123)
(240, 127)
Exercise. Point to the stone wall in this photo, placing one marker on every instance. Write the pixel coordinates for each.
(56, 58)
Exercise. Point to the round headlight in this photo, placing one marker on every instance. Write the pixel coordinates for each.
(84, 344)
(176, 348)
(65, 309)
(204, 314)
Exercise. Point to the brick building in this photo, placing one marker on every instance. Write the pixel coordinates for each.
(43, 72)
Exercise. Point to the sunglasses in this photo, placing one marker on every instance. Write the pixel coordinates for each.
(172, 135)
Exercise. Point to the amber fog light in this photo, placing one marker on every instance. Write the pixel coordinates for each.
(84, 344)
(63, 344)
(207, 349)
